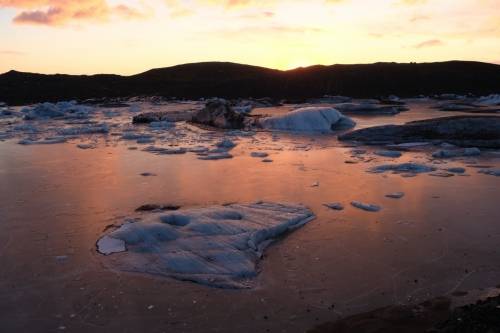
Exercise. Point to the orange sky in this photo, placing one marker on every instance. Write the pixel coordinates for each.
(130, 36)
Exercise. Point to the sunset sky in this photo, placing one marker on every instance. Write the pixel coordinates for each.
(131, 36)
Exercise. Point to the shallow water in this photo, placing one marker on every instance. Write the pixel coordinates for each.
(56, 201)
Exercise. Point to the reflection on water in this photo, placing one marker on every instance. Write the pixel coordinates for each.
(57, 200)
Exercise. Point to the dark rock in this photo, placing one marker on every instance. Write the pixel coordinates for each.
(218, 113)
(464, 131)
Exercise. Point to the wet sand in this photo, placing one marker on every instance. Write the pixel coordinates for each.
(56, 201)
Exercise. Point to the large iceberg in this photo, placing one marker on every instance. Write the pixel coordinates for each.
(309, 119)
(217, 246)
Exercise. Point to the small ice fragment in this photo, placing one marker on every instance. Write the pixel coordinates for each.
(85, 146)
(226, 143)
(334, 205)
(367, 207)
(388, 153)
(395, 195)
(449, 153)
(406, 168)
(456, 170)
(259, 154)
(491, 172)
(216, 156)
(442, 174)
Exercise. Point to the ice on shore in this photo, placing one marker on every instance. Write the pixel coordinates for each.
(310, 119)
(218, 246)
(365, 206)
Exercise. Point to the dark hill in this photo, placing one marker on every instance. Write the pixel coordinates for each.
(235, 80)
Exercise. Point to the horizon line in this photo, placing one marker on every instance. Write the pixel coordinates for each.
(263, 67)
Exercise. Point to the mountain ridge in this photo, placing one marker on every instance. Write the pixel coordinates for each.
(233, 80)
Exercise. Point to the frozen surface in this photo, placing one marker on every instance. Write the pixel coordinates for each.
(310, 119)
(57, 200)
(217, 246)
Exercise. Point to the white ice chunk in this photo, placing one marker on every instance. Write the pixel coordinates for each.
(310, 119)
(217, 246)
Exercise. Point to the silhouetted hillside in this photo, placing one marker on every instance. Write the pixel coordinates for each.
(235, 80)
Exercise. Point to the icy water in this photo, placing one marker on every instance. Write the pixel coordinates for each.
(56, 200)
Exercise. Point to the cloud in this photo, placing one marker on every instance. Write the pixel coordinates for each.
(12, 53)
(429, 43)
(62, 12)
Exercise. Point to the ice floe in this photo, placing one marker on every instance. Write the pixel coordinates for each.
(218, 246)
